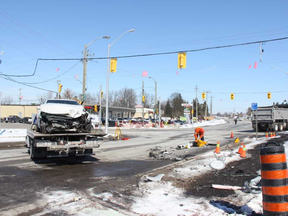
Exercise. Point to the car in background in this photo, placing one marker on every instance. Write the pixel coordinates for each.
(13, 119)
(26, 120)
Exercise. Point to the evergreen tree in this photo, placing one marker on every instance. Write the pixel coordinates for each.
(168, 109)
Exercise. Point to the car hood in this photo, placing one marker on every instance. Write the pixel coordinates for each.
(73, 111)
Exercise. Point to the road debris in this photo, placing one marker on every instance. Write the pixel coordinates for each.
(155, 178)
(160, 154)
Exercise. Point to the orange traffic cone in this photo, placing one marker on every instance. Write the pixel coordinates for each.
(271, 134)
(231, 135)
(267, 134)
(240, 149)
(274, 134)
(115, 123)
(217, 150)
(243, 154)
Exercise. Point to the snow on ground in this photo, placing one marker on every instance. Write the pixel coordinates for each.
(162, 198)
(172, 126)
(12, 135)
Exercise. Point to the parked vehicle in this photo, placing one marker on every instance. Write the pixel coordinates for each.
(27, 120)
(13, 119)
(271, 117)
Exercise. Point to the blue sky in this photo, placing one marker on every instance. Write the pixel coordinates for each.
(63, 27)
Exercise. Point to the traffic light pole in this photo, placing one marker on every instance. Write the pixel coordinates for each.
(143, 103)
(58, 82)
(84, 71)
(100, 108)
(196, 104)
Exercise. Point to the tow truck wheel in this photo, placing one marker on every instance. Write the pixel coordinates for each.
(32, 151)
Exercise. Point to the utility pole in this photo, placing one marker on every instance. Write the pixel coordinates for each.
(58, 83)
(100, 109)
(84, 71)
(20, 96)
(196, 100)
(211, 105)
(206, 107)
(0, 109)
(159, 113)
(155, 100)
(142, 103)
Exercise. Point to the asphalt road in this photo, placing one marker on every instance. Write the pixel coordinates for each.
(121, 162)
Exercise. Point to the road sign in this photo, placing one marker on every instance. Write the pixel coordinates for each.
(187, 110)
(186, 104)
(254, 106)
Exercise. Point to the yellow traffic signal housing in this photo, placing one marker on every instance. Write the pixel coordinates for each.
(96, 108)
(182, 60)
(232, 96)
(60, 88)
(203, 95)
(143, 98)
(192, 111)
(269, 95)
(113, 65)
(101, 94)
(156, 111)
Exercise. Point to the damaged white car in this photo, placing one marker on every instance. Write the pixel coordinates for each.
(61, 115)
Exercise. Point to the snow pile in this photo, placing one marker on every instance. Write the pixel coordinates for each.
(12, 135)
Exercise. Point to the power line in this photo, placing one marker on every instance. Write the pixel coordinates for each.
(172, 52)
(12, 80)
(17, 22)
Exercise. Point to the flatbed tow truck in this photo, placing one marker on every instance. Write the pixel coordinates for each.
(65, 144)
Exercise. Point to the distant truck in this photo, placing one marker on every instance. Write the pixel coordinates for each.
(62, 128)
(272, 118)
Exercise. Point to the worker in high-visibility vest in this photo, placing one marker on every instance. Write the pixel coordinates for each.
(199, 133)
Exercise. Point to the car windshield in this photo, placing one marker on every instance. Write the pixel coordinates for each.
(63, 102)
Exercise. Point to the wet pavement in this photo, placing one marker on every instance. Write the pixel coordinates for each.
(117, 166)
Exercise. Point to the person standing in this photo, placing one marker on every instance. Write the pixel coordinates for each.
(235, 119)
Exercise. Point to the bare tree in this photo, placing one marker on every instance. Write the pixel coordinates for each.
(7, 99)
(68, 94)
(149, 100)
(110, 98)
(92, 99)
(127, 97)
(47, 96)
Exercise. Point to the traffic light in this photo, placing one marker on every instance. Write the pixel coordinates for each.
(203, 95)
(96, 108)
(232, 96)
(182, 60)
(143, 98)
(101, 94)
(156, 111)
(113, 65)
(269, 95)
(60, 88)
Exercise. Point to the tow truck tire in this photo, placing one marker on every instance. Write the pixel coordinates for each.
(275, 127)
(32, 151)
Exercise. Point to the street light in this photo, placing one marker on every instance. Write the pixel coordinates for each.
(58, 94)
(107, 79)
(280, 69)
(155, 106)
(85, 63)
